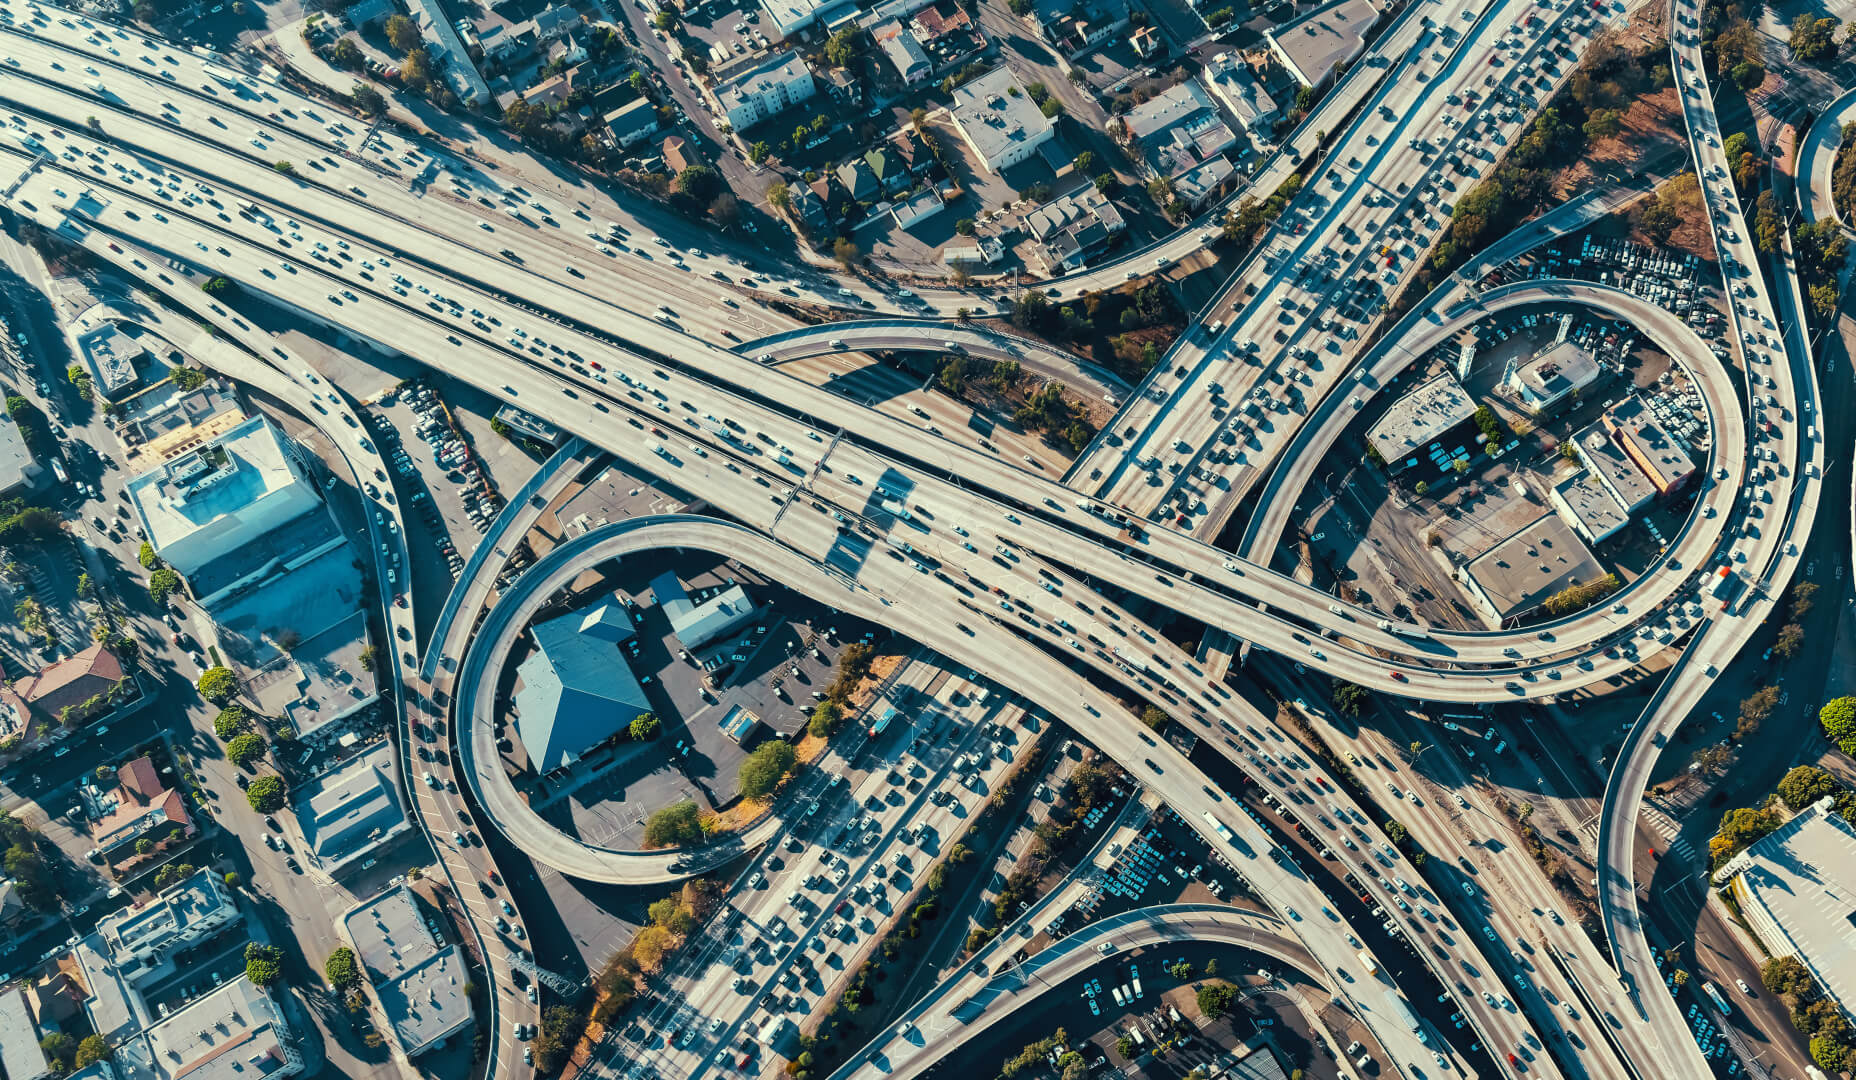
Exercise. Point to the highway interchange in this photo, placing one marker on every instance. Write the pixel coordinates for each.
(428, 256)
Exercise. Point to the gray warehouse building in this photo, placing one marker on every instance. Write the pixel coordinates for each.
(418, 979)
(576, 690)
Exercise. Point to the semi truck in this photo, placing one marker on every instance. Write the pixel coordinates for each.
(1726, 587)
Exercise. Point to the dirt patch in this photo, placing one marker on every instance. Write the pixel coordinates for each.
(1652, 133)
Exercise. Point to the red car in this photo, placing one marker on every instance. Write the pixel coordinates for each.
(1396, 675)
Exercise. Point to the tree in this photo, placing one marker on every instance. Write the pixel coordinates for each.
(1680, 977)
(147, 557)
(1754, 710)
(263, 963)
(245, 749)
(670, 914)
(778, 197)
(561, 1028)
(1216, 999)
(402, 33)
(759, 152)
(367, 100)
(1768, 226)
(1658, 222)
(341, 968)
(1806, 784)
(1791, 636)
(701, 183)
(1814, 39)
(674, 825)
(93, 1049)
(1603, 124)
(1350, 699)
(1739, 828)
(217, 684)
(367, 654)
(644, 726)
(1838, 719)
(763, 770)
(1124, 1045)
(1154, 717)
(1787, 975)
(665, 19)
(845, 252)
(231, 720)
(525, 119)
(826, 716)
(58, 1049)
(266, 794)
(1748, 75)
(843, 47)
(163, 583)
(649, 948)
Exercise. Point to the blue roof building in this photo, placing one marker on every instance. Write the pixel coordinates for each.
(697, 624)
(577, 689)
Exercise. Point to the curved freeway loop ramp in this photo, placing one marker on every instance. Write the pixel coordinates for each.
(970, 1002)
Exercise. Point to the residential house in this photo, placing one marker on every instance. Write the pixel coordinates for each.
(1073, 229)
(903, 51)
(1074, 27)
(860, 181)
(1236, 87)
(631, 123)
(831, 195)
(1207, 181)
(678, 155)
(567, 52)
(912, 150)
(806, 207)
(75, 688)
(141, 805)
(1146, 42)
(946, 33)
(918, 208)
(781, 81)
(998, 121)
(552, 23)
(891, 173)
(553, 91)
(1175, 132)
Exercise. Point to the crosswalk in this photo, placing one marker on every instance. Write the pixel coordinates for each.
(1660, 823)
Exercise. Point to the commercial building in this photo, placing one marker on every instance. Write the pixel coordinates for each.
(1796, 888)
(112, 358)
(164, 420)
(1552, 376)
(1421, 421)
(1588, 507)
(1175, 132)
(214, 500)
(1311, 46)
(998, 121)
(418, 980)
(236, 1032)
(1518, 575)
(1651, 448)
(20, 1056)
(1232, 83)
(1074, 229)
(189, 911)
(1073, 27)
(697, 621)
(781, 81)
(788, 17)
(576, 690)
(352, 809)
(1611, 467)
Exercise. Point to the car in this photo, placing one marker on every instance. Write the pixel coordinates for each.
(1744, 988)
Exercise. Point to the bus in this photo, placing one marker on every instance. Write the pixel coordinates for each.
(1218, 827)
(1715, 996)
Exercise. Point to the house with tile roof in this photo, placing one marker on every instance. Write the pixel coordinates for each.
(76, 687)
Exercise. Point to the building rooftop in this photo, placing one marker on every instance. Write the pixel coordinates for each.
(1420, 416)
(576, 689)
(777, 70)
(418, 979)
(1555, 372)
(1648, 444)
(1231, 81)
(1167, 110)
(1521, 572)
(233, 1033)
(20, 1056)
(697, 623)
(1201, 182)
(1311, 45)
(113, 1007)
(1797, 887)
(1592, 503)
(791, 16)
(244, 481)
(16, 465)
(352, 808)
(993, 112)
(1611, 467)
(112, 356)
(69, 683)
(199, 897)
(165, 420)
